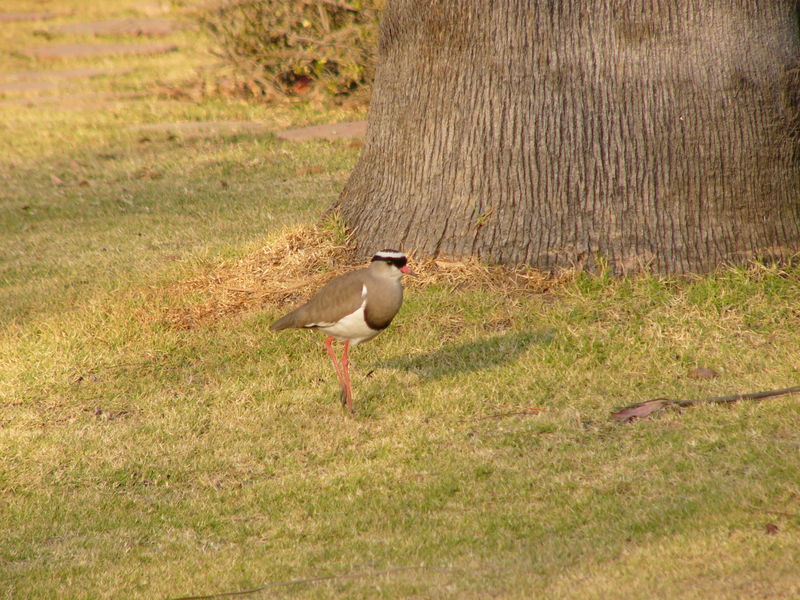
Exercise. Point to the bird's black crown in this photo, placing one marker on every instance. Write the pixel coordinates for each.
(393, 257)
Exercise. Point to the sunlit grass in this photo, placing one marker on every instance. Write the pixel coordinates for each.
(145, 460)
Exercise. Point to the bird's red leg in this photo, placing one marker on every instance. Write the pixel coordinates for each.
(345, 371)
(335, 362)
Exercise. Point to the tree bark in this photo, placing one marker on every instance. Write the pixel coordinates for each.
(658, 134)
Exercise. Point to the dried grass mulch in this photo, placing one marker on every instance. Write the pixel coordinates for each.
(297, 264)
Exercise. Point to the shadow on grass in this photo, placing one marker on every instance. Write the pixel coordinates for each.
(471, 356)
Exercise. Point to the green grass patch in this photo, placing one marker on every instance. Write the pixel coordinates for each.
(142, 460)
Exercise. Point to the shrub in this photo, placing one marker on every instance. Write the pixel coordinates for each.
(284, 48)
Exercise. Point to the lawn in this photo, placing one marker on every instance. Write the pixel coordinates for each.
(147, 456)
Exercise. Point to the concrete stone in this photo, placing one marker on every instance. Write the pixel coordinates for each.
(153, 8)
(335, 131)
(7, 17)
(27, 85)
(75, 101)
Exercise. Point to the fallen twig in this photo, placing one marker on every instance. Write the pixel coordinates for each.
(645, 409)
(773, 512)
(300, 582)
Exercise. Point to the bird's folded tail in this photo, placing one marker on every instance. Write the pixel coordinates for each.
(284, 322)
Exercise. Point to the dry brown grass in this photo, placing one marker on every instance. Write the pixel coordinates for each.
(296, 264)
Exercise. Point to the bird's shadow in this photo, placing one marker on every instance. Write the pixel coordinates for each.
(470, 356)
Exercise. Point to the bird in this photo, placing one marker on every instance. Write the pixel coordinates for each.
(353, 308)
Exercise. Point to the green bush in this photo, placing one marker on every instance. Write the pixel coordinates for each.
(278, 48)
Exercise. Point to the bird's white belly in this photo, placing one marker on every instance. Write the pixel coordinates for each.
(353, 327)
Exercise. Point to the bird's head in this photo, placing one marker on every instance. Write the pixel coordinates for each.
(394, 260)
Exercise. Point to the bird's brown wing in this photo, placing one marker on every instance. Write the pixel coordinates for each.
(340, 297)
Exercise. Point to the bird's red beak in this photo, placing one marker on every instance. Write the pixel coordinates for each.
(407, 271)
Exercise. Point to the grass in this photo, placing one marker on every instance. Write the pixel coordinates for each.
(145, 460)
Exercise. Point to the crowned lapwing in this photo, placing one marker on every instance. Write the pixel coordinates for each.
(353, 308)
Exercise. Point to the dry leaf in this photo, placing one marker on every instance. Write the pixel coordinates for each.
(703, 373)
(771, 529)
(57, 180)
(302, 84)
(148, 172)
(640, 410)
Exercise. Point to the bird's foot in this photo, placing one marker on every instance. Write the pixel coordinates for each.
(347, 402)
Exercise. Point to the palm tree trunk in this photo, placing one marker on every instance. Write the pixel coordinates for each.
(645, 133)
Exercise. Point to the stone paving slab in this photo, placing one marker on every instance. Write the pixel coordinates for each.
(203, 128)
(75, 101)
(130, 26)
(27, 85)
(61, 51)
(7, 17)
(335, 131)
(153, 8)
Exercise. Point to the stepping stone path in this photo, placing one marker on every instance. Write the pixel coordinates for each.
(153, 8)
(38, 85)
(7, 17)
(76, 101)
(39, 81)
